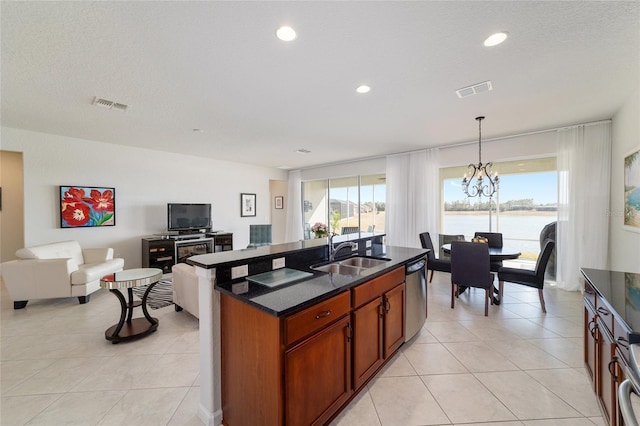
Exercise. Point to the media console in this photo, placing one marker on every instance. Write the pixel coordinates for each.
(163, 252)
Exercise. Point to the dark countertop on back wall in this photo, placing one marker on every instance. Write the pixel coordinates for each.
(290, 298)
(620, 290)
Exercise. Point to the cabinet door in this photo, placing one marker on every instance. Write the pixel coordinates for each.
(367, 341)
(606, 375)
(590, 326)
(393, 320)
(318, 375)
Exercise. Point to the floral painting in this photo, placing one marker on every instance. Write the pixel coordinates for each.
(84, 206)
(632, 191)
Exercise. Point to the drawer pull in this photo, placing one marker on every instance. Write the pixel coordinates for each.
(323, 314)
(603, 311)
(611, 365)
(622, 342)
(592, 326)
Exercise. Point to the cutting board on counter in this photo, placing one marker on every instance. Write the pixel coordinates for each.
(278, 277)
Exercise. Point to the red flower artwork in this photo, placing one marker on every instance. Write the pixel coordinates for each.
(78, 209)
(76, 214)
(101, 201)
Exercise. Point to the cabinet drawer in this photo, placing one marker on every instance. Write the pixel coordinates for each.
(312, 319)
(377, 286)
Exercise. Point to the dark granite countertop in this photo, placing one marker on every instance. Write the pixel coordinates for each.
(213, 260)
(290, 298)
(620, 290)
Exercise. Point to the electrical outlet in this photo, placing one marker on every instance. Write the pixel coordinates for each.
(368, 243)
(354, 247)
(239, 271)
(277, 263)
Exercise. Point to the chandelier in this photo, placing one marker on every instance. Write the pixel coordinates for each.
(484, 185)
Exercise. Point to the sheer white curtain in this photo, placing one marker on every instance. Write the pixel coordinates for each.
(293, 231)
(412, 201)
(584, 170)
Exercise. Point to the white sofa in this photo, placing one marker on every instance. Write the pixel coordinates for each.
(61, 269)
(185, 288)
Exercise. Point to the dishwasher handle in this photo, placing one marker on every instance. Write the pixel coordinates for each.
(416, 266)
(624, 401)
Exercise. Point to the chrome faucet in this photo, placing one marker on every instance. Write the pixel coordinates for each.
(333, 251)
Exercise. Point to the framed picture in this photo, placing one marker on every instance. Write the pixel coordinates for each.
(87, 206)
(632, 191)
(247, 205)
(279, 203)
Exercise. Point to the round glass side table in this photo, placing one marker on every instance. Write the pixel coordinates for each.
(129, 328)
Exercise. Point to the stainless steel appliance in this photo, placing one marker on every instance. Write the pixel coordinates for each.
(629, 386)
(415, 297)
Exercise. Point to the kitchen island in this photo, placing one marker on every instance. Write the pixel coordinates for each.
(283, 354)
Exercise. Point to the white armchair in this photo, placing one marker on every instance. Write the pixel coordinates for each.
(55, 270)
(185, 288)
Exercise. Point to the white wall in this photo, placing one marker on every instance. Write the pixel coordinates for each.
(145, 181)
(278, 188)
(624, 245)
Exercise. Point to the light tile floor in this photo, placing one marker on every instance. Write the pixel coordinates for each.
(517, 366)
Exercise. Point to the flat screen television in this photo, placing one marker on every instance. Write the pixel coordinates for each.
(184, 217)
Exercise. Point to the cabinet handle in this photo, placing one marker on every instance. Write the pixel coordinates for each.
(592, 328)
(622, 342)
(611, 365)
(349, 332)
(603, 311)
(323, 314)
(387, 306)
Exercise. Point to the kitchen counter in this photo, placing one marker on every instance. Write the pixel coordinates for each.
(620, 291)
(293, 297)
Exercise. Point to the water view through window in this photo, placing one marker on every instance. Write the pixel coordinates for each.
(523, 205)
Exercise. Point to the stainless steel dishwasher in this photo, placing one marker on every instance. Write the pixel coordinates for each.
(415, 296)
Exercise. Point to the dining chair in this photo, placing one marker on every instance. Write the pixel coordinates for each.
(433, 263)
(470, 268)
(494, 240)
(446, 239)
(528, 277)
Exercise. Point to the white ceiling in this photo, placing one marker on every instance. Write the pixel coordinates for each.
(217, 66)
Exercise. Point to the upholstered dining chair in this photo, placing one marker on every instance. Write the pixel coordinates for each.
(433, 263)
(470, 268)
(494, 240)
(528, 277)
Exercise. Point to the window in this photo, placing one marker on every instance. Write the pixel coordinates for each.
(525, 202)
(348, 204)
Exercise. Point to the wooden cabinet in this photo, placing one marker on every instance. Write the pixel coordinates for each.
(303, 368)
(605, 353)
(318, 375)
(378, 323)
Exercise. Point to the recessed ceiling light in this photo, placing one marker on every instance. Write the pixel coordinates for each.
(286, 33)
(495, 39)
(363, 89)
(303, 151)
(197, 130)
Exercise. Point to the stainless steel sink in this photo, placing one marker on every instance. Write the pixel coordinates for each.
(337, 268)
(350, 266)
(362, 262)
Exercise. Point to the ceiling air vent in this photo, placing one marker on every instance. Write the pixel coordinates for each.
(485, 86)
(106, 103)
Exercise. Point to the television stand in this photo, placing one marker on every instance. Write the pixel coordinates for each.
(165, 251)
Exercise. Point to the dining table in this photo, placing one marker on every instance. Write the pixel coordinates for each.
(496, 254)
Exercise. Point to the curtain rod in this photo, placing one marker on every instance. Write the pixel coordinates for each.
(535, 132)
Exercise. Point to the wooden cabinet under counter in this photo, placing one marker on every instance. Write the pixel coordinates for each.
(609, 325)
(299, 369)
